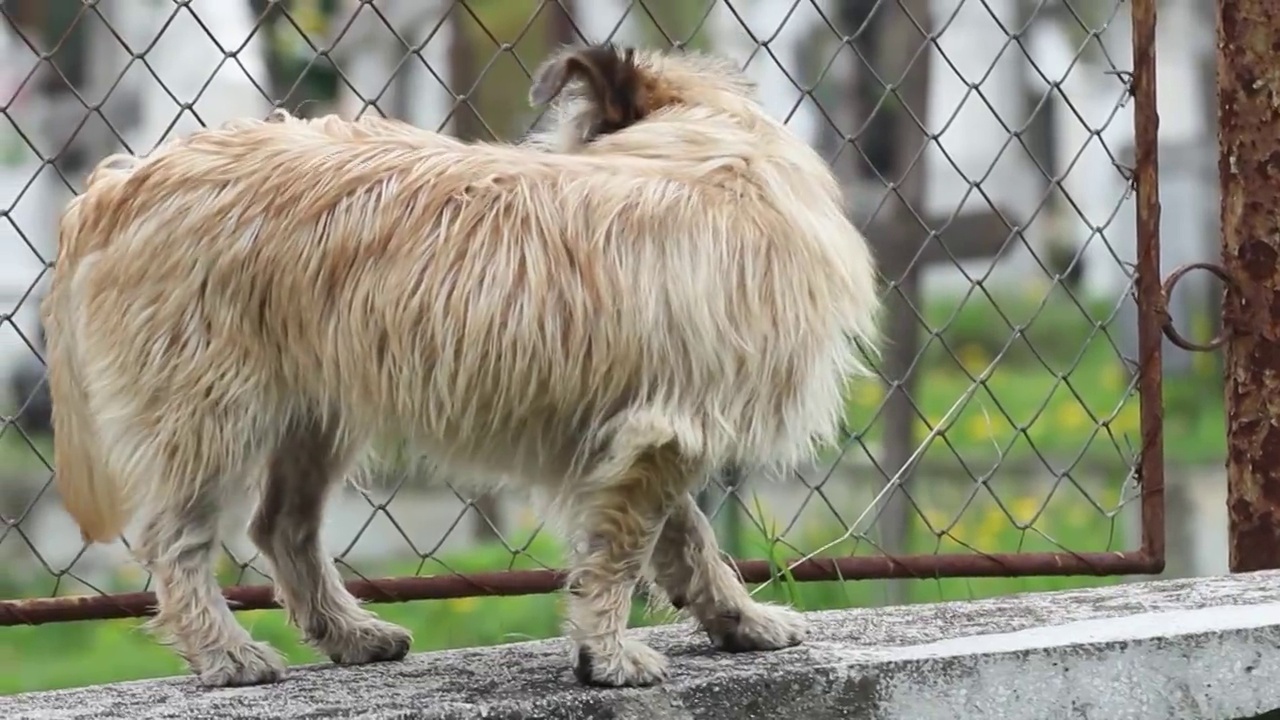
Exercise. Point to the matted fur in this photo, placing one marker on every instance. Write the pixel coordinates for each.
(604, 314)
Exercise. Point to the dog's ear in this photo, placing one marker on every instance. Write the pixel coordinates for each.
(613, 83)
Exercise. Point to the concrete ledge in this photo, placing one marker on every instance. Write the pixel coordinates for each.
(1206, 649)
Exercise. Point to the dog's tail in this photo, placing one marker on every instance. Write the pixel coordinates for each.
(92, 495)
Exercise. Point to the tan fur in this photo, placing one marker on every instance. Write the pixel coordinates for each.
(94, 499)
(600, 315)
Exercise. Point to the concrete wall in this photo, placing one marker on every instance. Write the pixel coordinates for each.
(1202, 649)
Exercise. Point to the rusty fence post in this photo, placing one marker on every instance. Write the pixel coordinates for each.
(1249, 170)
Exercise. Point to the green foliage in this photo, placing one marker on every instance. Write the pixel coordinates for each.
(1032, 329)
(1051, 384)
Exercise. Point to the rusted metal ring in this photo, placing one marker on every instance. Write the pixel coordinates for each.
(1166, 290)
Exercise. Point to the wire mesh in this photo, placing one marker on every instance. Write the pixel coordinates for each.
(985, 148)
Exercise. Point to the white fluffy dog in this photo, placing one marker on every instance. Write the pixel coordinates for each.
(663, 284)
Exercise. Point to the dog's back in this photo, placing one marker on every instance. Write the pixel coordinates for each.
(495, 304)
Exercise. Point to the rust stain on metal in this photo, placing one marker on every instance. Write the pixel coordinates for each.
(1249, 172)
(37, 611)
(1151, 313)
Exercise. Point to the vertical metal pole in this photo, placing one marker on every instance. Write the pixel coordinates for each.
(1146, 178)
(1249, 171)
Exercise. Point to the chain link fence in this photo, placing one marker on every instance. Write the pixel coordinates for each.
(990, 149)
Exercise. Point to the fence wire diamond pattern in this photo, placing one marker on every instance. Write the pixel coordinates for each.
(984, 148)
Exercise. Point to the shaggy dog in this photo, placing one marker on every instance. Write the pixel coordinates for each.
(661, 284)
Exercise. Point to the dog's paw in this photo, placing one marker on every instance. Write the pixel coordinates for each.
(633, 664)
(758, 627)
(249, 663)
(368, 641)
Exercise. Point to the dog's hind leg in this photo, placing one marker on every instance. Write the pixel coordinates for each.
(308, 462)
(687, 566)
(617, 514)
(178, 543)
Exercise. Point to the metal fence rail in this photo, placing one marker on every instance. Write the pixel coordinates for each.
(1017, 427)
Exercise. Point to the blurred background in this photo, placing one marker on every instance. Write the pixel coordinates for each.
(986, 149)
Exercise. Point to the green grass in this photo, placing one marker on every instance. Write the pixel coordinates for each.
(1050, 382)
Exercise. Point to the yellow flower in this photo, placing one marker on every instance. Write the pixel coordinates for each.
(224, 564)
(1079, 515)
(462, 605)
(982, 427)
(973, 358)
(868, 394)
(1024, 509)
(1072, 417)
(936, 519)
(309, 17)
(1128, 420)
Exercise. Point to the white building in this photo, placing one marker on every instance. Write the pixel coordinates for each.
(185, 79)
(29, 194)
